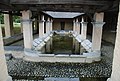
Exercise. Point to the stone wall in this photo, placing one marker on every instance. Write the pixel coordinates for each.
(116, 60)
(57, 24)
(68, 26)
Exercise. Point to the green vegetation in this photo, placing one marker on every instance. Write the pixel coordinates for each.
(16, 24)
(16, 19)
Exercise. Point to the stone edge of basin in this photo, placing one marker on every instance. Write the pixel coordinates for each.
(31, 55)
(89, 57)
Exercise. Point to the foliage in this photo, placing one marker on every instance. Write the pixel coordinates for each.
(16, 19)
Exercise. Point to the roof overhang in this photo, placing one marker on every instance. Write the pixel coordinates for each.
(63, 14)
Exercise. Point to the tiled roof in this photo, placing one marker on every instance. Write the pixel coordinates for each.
(63, 14)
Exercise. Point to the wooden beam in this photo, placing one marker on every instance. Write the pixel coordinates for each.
(90, 6)
(18, 13)
(85, 2)
(64, 9)
(113, 5)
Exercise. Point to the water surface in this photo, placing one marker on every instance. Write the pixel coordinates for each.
(63, 44)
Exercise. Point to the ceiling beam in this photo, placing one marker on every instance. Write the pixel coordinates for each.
(85, 2)
(88, 6)
(11, 13)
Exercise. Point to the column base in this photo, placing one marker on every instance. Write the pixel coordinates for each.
(9, 78)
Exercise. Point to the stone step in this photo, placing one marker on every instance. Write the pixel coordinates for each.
(51, 79)
(26, 80)
(62, 79)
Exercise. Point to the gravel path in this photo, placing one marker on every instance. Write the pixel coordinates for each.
(23, 68)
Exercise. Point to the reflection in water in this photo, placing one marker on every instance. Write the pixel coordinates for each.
(63, 44)
(76, 47)
(48, 47)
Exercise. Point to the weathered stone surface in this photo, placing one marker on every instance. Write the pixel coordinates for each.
(87, 45)
(27, 28)
(10, 40)
(116, 60)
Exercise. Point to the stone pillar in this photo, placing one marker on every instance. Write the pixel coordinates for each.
(74, 25)
(8, 22)
(3, 67)
(83, 29)
(48, 47)
(41, 26)
(27, 29)
(48, 29)
(77, 26)
(73, 47)
(51, 25)
(48, 25)
(116, 60)
(77, 49)
(51, 44)
(97, 31)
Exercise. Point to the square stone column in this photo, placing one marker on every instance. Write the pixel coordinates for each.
(51, 25)
(77, 45)
(48, 25)
(84, 30)
(3, 67)
(115, 76)
(73, 44)
(74, 25)
(41, 26)
(77, 26)
(48, 47)
(97, 35)
(27, 29)
(51, 44)
(8, 23)
(97, 31)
